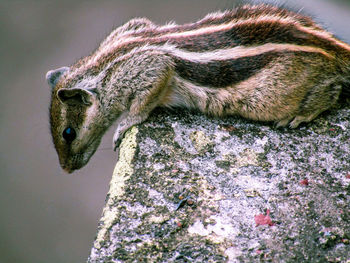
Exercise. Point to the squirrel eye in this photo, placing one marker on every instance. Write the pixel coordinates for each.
(69, 134)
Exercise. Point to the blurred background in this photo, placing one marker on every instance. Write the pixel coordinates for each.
(46, 215)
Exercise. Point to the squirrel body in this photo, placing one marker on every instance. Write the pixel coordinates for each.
(260, 62)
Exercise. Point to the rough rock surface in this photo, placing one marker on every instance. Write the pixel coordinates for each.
(188, 188)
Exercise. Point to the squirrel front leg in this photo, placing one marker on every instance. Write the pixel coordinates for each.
(149, 75)
(126, 121)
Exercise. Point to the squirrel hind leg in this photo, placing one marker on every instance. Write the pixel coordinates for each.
(295, 121)
(303, 118)
(316, 103)
(283, 122)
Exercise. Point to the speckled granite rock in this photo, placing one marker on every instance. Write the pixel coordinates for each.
(188, 188)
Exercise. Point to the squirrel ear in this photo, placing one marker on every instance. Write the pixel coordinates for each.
(76, 96)
(53, 76)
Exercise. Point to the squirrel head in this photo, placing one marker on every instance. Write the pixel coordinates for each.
(74, 115)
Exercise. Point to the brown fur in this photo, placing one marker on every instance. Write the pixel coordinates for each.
(260, 62)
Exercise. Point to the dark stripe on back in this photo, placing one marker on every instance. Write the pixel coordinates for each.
(224, 73)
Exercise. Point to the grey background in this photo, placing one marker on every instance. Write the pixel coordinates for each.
(46, 215)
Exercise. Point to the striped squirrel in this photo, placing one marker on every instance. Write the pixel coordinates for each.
(260, 62)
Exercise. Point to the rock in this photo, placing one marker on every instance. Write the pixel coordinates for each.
(188, 188)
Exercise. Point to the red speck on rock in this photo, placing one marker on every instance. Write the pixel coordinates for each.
(262, 219)
(304, 182)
